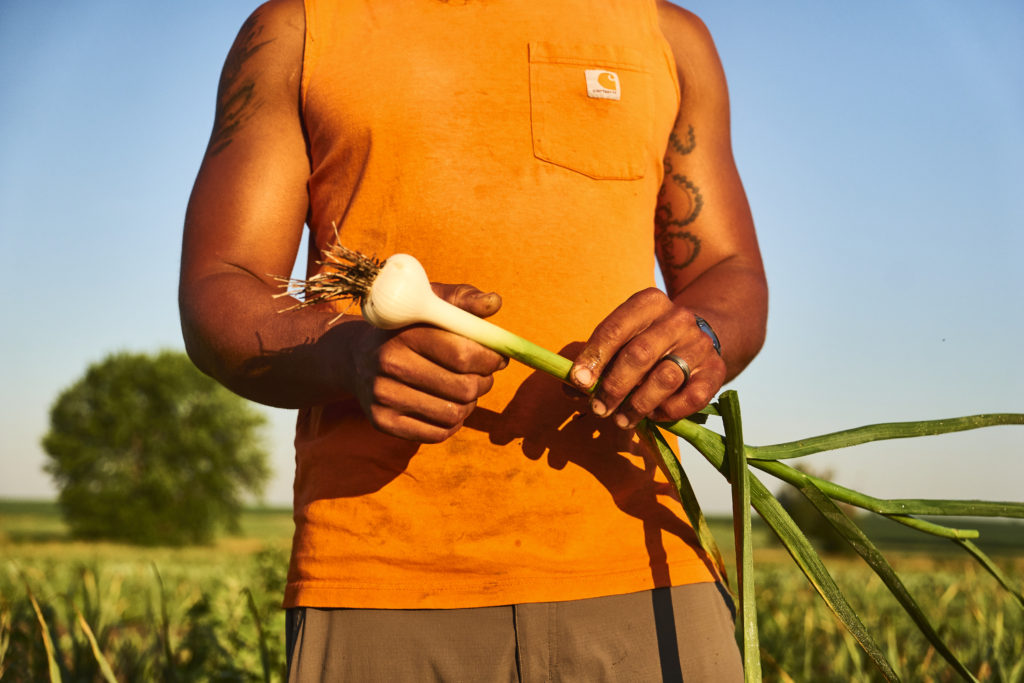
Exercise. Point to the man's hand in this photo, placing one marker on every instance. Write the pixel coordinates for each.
(420, 383)
(707, 249)
(625, 357)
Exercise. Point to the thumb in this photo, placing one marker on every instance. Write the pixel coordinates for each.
(469, 298)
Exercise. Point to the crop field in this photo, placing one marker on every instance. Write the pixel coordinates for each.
(89, 611)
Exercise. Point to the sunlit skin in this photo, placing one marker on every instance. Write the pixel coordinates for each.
(249, 205)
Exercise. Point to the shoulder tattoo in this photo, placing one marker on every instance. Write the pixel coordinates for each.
(237, 99)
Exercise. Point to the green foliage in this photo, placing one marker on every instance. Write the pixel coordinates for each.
(826, 497)
(214, 634)
(184, 621)
(146, 449)
(802, 641)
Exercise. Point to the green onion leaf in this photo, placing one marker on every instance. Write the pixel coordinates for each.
(739, 477)
(880, 432)
(853, 534)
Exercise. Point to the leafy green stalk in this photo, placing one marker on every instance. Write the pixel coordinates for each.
(101, 660)
(53, 666)
(800, 549)
(677, 475)
(992, 569)
(707, 441)
(932, 528)
(264, 653)
(903, 506)
(165, 623)
(730, 456)
(857, 539)
(880, 432)
(712, 447)
(739, 477)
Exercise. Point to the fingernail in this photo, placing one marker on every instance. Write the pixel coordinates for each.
(583, 376)
(599, 408)
(621, 421)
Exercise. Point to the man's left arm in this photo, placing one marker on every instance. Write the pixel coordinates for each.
(707, 249)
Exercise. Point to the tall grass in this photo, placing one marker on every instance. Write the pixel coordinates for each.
(139, 621)
(801, 639)
(205, 614)
(72, 611)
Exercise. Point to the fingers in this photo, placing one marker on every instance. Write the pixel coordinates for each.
(469, 298)
(421, 383)
(415, 415)
(614, 332)
(439, 363)
(627, 351)
(654, 399)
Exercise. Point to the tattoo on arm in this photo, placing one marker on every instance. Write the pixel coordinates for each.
(683, 148)
(678, 248)
(236, 97)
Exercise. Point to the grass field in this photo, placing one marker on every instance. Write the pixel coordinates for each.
(89, 611)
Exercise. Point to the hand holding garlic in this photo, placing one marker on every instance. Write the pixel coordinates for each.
(419, 382)
(628, 352)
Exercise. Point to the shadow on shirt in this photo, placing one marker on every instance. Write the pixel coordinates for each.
(550, 420)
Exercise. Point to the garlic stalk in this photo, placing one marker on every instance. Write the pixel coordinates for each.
(397, 293)
(401, 295)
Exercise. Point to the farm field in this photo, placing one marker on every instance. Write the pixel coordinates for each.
(212, 613)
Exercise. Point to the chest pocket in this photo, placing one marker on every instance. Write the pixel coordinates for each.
(591, 109)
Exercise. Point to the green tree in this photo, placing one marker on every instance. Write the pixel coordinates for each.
(147, 449)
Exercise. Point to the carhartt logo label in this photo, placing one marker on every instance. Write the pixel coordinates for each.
(603, 85)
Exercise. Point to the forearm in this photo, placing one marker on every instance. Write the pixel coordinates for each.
(235, 331)
(733, 297)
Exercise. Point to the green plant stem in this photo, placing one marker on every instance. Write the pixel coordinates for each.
(709, 442)
(730, 456)
(904, 506)
(933, 528)
(880, 432)
(165, 622)
(739, 477)
(97, 653)
(675, 473)
(992, 569)
(52, 664)
(859, 541)
(712, 447)
(800, 549)
(261, 636)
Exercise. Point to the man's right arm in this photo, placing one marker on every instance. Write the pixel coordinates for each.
(243, 225)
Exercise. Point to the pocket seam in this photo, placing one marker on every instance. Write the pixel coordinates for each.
(626, 66)
(629, 166)
(584, 54)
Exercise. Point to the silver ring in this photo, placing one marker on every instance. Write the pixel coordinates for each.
(683, 365)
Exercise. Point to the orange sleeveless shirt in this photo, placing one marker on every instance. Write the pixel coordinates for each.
(517, 147)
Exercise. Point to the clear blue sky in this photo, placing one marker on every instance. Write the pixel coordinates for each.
(881, 144)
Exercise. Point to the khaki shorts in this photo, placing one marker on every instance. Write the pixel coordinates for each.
(678, 634)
